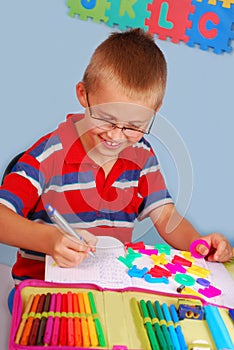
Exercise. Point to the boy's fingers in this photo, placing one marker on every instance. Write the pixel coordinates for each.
(201, 249)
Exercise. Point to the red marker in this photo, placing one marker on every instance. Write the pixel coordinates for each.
(63, 323)
(70, 322)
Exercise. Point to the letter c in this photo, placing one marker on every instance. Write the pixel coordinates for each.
(202, 25)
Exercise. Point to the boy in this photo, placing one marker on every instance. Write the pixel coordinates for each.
(97, 169)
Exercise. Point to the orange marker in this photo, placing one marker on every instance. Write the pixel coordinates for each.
(77, 325)
(84, 325)
(28, 324)
(91, 325)
(24, 319)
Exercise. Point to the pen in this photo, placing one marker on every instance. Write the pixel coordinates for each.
(41, 330)
(50, 321)
(70, 323)
(178, 329)
(59, 220)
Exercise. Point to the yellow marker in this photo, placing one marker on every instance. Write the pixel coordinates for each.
(24, 319)
(199, 271)
(91, 325)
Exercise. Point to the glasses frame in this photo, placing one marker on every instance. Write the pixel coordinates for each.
(123, 128)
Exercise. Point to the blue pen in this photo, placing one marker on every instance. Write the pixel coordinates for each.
(172, 331)
(59, 220)
(178, 327)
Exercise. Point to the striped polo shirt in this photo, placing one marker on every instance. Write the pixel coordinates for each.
(57, 170)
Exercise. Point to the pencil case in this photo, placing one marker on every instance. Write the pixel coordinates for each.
(123, 326)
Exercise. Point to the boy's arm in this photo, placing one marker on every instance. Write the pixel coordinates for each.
(20, 232)
(179, 233)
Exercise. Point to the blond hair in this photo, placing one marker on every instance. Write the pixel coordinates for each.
(132, 61)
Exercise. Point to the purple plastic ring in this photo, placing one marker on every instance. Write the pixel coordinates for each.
(193, 246)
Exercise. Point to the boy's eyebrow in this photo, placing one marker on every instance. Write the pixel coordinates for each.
(113, 118)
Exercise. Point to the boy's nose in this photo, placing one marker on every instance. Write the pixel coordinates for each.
(116, 133)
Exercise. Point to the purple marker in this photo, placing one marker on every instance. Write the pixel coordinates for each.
(50, 321)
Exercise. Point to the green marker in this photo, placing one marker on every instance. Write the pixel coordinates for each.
(100, 334)
(155, 321)
(148, 325)
(163, 323)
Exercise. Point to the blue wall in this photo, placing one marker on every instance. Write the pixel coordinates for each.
(44, 53)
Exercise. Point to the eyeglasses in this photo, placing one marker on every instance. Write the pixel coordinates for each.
(104, 124)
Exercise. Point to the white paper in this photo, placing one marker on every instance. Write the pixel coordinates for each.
(106, 271)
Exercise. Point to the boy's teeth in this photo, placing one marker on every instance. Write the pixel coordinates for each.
(112, 143)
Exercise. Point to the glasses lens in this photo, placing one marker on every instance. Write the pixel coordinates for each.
(132, 133)
(102, 124)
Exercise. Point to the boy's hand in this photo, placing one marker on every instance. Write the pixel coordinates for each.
(220, 249)
(69, 252)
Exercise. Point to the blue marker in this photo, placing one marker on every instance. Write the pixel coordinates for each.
(172, 331)
(178, 329)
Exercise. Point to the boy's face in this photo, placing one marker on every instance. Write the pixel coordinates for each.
(112, 120)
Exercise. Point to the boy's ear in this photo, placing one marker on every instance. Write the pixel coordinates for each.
(81, 94)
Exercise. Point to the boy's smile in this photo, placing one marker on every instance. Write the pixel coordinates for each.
(112, 122)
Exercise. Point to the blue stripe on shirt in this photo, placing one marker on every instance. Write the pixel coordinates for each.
(14, 200)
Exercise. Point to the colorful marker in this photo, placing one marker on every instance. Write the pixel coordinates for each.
(172, 331)
(28, 325)
(91, 325)
(163, 324)
(100, 334)
(148, 325)
(50, 321)
(63, 322)
(155, 321)
(178, 329)
(44, 318)
(55, 334)
(70, 323)
(77, 325)
(36, 322)
(24, 319)
(84, 325)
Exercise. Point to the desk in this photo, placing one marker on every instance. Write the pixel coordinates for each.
(5, 316)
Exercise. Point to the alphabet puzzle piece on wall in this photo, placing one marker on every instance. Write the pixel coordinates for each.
(212, 27)
(89, 9)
